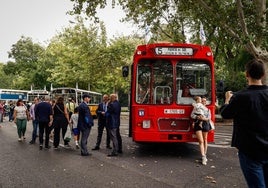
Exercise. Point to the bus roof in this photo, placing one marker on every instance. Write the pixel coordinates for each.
(167, 49)
(13, 90)
(76, 89)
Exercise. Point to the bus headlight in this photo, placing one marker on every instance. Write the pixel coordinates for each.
(146, 124)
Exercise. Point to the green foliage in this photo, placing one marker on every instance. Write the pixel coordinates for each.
(6, 80)
(231, 27)
(74, 52)
(26, 53)
(81, 53)
(27, 56)
(117, 54)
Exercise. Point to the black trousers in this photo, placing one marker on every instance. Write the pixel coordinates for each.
(57, 129)
(43, 127)
(100, 133)
(119, 139)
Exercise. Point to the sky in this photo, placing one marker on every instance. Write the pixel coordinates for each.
(43, 19)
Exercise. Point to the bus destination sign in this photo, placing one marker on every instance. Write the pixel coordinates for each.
(173, 51)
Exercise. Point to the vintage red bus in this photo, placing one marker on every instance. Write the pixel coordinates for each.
(164, 79)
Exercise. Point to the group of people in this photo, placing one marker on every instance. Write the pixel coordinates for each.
(6, 109)
(57, 116)
(108, 113)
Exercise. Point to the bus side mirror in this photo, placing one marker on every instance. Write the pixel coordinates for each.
(125, 71)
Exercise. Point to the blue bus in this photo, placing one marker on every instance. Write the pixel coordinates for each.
(13, 95)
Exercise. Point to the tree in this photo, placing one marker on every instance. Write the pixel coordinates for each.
(76, 52)
(6, 80)
(231, 26)
(117, 54)
(26, 53)
(25, 70)
(83, 55)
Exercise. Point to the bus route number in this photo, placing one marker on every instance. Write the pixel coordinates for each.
(173, 51)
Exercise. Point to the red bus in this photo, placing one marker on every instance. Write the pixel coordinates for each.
(165, 77)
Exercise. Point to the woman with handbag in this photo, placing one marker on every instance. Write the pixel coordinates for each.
(60, 122)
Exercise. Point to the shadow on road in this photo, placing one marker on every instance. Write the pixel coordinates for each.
(166, 149)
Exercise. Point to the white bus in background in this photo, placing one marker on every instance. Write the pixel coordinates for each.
(76, 94)
(37, 93)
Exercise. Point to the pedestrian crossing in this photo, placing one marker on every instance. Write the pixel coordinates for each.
(222, 139)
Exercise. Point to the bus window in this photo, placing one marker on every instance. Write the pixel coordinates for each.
(143, 83)
(154, 82)
(193, 78)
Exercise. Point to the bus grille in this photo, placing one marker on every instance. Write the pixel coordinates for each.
(174, 124)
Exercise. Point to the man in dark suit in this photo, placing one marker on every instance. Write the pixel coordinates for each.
(101, 110)
(85, 122)
(113, 120)
(43, 114)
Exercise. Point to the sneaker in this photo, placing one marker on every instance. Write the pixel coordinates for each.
(19, 140)
(77, 146)
(40, 147)
(204, 160)
(55, 147)
(108, 147)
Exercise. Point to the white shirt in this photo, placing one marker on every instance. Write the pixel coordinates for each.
(21, 112)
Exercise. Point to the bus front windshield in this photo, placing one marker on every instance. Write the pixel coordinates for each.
(161, 82)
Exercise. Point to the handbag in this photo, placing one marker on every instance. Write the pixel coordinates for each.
(212, 126)
(68, 134)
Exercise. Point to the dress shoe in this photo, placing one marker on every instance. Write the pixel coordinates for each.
(108, 147)
(47, 147)
(120, 151)
(31, 142)
(40, 147)
(112, 155)
(96, 148)
(85, 154)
